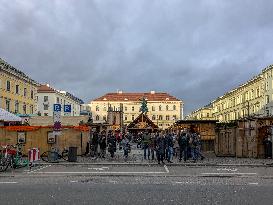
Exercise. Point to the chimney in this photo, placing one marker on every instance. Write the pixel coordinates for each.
(152, 92)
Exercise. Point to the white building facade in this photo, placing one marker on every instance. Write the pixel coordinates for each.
(47, 97)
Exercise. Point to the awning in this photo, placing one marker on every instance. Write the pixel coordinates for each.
(8, 117)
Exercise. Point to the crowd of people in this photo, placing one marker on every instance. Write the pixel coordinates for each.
(167, 145)
(161, 146)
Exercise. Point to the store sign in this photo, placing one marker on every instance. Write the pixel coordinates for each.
(67, 110)
(57, 127)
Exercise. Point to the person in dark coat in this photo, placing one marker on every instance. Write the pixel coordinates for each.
(112, 144)
(95, 142)
(102, 143)
(169, 147)
(160, 148)
(183, 142)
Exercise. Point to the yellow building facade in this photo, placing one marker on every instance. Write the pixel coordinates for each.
(18, 91)
(204, 113)
(164, 109)
(251, 99)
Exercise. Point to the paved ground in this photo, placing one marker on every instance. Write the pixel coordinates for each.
(136, 156)
(135, 190)
(96, 181)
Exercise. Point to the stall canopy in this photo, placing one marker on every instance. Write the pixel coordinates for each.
(8, 117)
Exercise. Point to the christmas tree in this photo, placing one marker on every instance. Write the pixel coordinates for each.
(143, 108)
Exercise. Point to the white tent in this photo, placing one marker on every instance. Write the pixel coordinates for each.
(8, 117)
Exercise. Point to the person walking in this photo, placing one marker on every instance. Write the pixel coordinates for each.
(125, 146)
(146, 143)
(169, 147)
(196, 146)
(102, 143)
(183, 143)
(153, 145)
(95, 144)
(199, 145)
(160, 148)
(112, 144)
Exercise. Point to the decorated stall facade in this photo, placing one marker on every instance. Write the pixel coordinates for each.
(206, 128)
(43, 137)
(142, 123)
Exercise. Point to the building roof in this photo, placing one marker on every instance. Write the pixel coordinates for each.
(14, 71)
(45, 89)
(48, 89)
(142, 122)
(195, 121)
(152, 96)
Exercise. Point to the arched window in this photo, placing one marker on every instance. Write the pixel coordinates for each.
(160, 117)
(97, 108)
(160, 108)
(97, 117)
(167, 107)
(174, 107)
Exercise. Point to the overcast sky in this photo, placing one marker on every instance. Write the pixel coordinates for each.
(194, 50)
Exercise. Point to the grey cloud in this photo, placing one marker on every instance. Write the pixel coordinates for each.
(195, 50)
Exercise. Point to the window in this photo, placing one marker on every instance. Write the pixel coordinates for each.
(8, 105)
(266, 86)
(258, 92)
(133, 108)
(97, 117)
(16, 107)
(267, 99)
(104, 118)
(160, 108)
(104, 108)
(45, 114)
(174, 117)
(207, 114)
(45, 106)
(45, 98)
(17, 89)
(31, 109)
(24, 109)
(153, 108)
(174, 107)
(58, 100)
(97, 108)
(167, 117)
(133, 117)
(153, 117)
(267, 112)
(125, 108)
(31, 94)
(167, 107)
(25, 92)
(8, 85)
(125, 117)
(160, 117)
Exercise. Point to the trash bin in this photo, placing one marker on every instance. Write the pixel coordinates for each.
(53, 156)
(72, 154)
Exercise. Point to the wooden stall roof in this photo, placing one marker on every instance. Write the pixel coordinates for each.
(142, 122)
(32, 128)
(195, 121)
